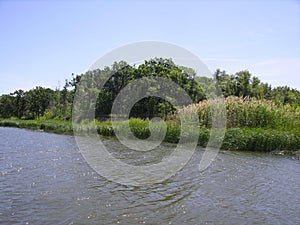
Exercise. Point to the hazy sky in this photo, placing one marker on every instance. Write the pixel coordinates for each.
(44, 42)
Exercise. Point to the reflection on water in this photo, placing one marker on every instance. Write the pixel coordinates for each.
(44, 180)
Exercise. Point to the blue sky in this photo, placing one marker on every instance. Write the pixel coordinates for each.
(44, 42)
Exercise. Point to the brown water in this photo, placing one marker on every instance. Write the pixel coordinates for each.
(44, 180)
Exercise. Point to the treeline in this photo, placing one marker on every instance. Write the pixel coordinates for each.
(36, 103)
(243, 84)
(48, 103)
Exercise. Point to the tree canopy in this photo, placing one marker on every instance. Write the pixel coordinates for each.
(45, 102)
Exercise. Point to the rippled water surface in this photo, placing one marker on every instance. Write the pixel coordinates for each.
(45, 180)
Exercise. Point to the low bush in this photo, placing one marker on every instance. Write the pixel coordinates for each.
(9, 123)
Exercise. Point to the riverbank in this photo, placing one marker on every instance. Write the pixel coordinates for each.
(53, 126)
(241, 139)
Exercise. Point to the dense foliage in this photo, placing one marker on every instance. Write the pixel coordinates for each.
(242, 84)
(57, 104)
(37, 102)
(121, 74)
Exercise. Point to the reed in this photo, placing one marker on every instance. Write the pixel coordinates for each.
(247, 112)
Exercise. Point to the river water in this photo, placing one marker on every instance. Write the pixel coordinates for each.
(45, 180)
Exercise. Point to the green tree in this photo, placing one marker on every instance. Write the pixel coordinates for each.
(7, 108)
(243, 83)
(255, 88)
(37, 101)
(19, 103)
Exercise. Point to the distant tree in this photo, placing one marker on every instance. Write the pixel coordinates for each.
(227, 83)
(19, 103)
(255, 88)
(243, 83)
(7, 108)
(37, 101)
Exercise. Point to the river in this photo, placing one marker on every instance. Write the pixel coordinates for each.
(45, 180)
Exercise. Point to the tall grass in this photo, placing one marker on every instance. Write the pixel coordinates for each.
(248, 112)
(254, 125)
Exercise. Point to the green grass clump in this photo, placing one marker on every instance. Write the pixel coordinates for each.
(139, 127)
(204, 135)
(265, 140)
(105, 130)
(173, 133)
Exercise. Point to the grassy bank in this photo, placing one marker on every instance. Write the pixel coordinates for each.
(54, 126)
(252, 125)
(248, 139)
